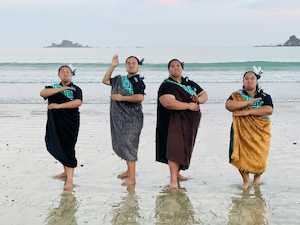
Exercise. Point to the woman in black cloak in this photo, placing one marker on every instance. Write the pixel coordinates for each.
(64, 100)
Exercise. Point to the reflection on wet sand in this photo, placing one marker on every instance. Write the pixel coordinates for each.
(173, 207)
(64, 214)
(248, 209)
(127, 211)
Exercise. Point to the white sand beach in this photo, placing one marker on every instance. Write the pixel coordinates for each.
(88, 42)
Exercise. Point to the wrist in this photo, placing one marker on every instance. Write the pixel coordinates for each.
(187, 106)
(250, 111)
(122, 98)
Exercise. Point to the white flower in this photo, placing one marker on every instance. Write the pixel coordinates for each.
(257, 70)
(73, 68)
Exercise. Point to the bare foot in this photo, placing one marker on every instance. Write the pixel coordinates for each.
(128, 181)
(257, 180)
(123, 175)
(182, 178)
(68, 186)
(61, 176)
(245, 180)
(245, 186)
(173, 186)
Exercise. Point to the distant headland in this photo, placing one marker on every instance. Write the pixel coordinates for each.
(293, 41)
(67, 44)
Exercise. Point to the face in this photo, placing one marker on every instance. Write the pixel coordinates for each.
(132, 66)
(175, 69)
(65, 74)
(250, 81)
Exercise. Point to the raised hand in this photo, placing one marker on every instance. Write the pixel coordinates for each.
(115, 61)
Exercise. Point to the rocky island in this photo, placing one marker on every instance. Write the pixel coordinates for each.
(67, 44)
(293, 41)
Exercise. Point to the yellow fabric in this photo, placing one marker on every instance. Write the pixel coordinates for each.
(251, 141)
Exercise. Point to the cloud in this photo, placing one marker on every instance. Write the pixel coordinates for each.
(270, 4)
(284, 9)
(168, 2)
(147, 22)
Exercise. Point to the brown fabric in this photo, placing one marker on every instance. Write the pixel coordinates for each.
(250, 141)
(176, 130)
(183, 128)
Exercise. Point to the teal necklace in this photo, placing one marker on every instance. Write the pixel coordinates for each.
(67, 93)
(257, 104)
(127, 85)
(187, 88)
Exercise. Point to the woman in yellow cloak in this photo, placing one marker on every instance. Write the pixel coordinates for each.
(251, 128)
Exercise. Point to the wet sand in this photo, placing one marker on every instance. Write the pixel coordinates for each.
(29, 195)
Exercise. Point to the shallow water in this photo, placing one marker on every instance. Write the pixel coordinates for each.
(213, 195)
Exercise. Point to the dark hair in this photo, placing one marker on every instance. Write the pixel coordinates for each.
(139, 61)
(175, 60)
(258, 76)
(67, 66)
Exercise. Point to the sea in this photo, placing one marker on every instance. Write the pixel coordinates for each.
(219, 70)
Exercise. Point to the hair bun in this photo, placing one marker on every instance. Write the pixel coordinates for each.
(258, 71)
(141, 61)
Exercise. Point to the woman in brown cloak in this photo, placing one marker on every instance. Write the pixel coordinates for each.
(178, 118)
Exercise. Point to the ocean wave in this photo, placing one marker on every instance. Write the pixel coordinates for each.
(218, 66)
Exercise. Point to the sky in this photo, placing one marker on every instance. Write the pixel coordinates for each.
(37, 23)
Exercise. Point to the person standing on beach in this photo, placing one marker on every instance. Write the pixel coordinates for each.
(250, 134)
(64, 100)
(126, 115)
(178, 118)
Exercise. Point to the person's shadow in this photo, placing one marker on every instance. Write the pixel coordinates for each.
(173, 207)
(248, 209)
(64, 214)
(127, 211)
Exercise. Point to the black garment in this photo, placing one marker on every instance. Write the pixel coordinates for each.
(137, 84)
(63, 126)
(168, 88)
(266, 98)
(176, 130)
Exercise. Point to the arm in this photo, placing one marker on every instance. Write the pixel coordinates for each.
(67, 105)
(170, 102)
(202, 97)
(263, 111)
(136, 98)
(47, 92)
(233, 105)
(110, 70)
